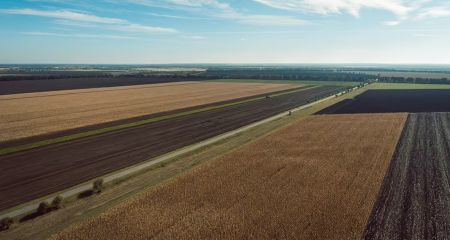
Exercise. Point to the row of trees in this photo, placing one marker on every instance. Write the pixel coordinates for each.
(45, 207)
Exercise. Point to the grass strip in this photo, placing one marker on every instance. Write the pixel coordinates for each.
(95, 132)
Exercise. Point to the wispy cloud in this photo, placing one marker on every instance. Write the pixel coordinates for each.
(64, 14)
(176, 16)
(402, 10)
(76, 35)
(392, 23)
(195, 37)
(78, 17)
(434, 12)
(222, 10)
(353, 7)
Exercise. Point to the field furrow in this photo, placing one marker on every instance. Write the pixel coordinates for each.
(414, 202)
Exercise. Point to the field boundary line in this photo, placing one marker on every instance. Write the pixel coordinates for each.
(91, 133)
(123, 173)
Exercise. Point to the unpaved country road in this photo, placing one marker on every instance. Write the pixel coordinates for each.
(414, 202)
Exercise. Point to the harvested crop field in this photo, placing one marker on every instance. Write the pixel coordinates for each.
(385, 101)
(37, 172)
(414, 202)
(315, 179)
(31, 114)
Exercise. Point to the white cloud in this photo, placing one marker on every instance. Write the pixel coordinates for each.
(392, 23)
(219, 9)
(65, 14)
(96, 36)
(353, 7)
(263, 20)
(195, 37)
(434, 12)
(80, 19)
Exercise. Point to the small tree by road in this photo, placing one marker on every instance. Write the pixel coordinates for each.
(98, 186)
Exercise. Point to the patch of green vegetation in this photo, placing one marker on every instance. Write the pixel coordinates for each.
(95, 132)
(397, 86)
(319, 83)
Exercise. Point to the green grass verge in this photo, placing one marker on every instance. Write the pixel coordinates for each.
(95, 132)
(399, 86)
(320, 83)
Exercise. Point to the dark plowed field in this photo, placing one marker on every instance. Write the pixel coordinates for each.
(35, 173)
(414, 202)
(387, 101)
(44, 85)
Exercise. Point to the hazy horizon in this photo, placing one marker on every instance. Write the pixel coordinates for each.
(225, 32)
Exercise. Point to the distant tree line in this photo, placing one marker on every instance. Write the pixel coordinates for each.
(263, 73)
(288, 74)
(414, 80)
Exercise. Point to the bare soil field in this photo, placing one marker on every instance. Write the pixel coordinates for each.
(414, 202)
(32, 114)
(30, 174)
(33, 83)
(315, 179)
(405, 74)
(387, 101)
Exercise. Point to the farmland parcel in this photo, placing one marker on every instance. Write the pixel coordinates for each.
(315, 179)
(31, 114)
(34, 173)
(383, 101)
(414, 202)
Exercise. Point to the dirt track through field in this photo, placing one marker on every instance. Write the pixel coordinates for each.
(37, 172)
(316, 179)
(414, 202)
(32, 114)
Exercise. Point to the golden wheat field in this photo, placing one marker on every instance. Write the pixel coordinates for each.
(30, 114)
(315, 179)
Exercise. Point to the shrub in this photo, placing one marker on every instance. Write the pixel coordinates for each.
(43, 208)
(6, 223)
(97, 186)
(58, 202)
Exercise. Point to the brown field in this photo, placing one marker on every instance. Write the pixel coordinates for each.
(315, 179)
(31, 114)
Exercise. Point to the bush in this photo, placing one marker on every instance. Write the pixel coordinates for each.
(6, 223)
(58, 202)
(44, 208)
(98, 186)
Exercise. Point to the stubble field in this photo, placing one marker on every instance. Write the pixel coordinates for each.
(315, 179)
(32, 114)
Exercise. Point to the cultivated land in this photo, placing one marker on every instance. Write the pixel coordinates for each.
(45, 85)
(303, 82)
(382, 101)
(406, 74)
(35, 173)
(31, 114)
(316, 179)
(80, 210)
(414, 202)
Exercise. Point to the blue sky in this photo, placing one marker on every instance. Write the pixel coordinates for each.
(225, 31)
